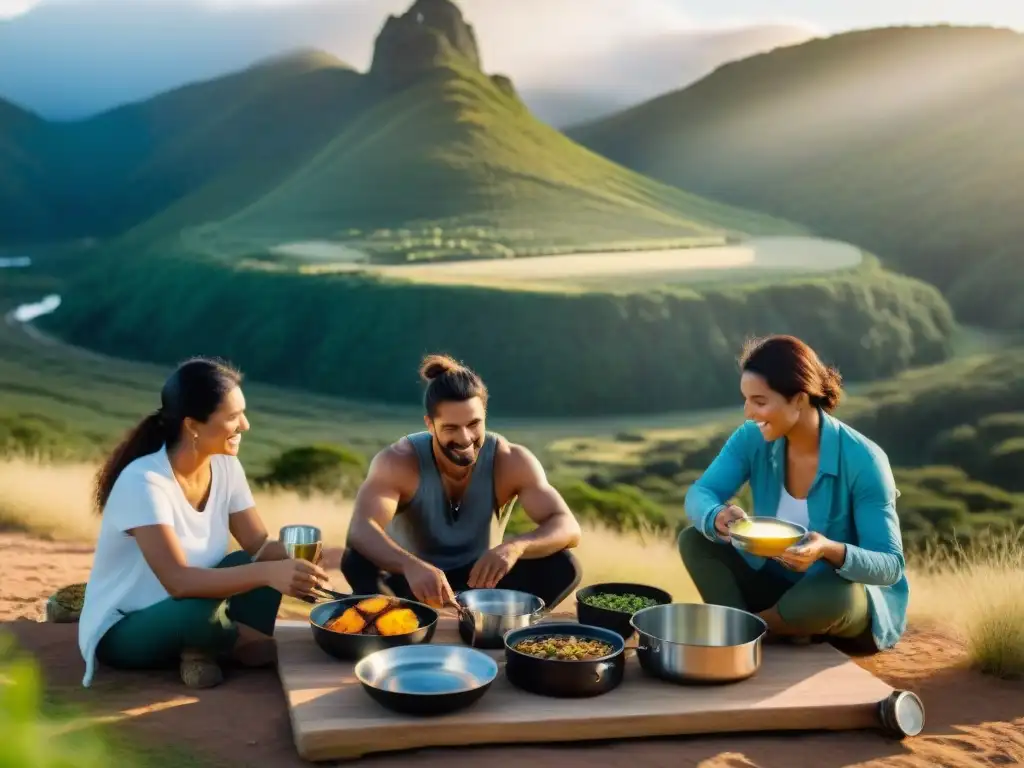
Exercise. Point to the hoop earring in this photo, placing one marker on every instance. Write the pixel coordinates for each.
(195, 440)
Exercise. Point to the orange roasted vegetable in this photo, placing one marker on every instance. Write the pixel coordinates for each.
(351, 622)
(398, 621)
(371, 606)
(376, 616)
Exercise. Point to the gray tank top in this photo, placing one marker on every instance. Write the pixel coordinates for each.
(428, 526)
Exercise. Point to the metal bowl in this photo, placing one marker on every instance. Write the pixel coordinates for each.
(787, 535)
(485, 615)
(426, 679)
(698, 643)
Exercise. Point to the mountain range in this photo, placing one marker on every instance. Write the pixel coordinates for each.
(905, 141)
(304, 146)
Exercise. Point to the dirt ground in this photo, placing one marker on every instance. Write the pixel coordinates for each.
(972, 720)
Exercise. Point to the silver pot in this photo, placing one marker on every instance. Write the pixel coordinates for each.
(486, 615)
(698, 643)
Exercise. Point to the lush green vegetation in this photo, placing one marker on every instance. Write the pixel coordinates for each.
(902, 141)
(23, 174)
(362, 337)
(66, 403)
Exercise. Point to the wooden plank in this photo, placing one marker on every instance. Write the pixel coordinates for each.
(797, 688)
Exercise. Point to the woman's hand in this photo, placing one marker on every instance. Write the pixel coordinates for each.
(725, 516)
(813, 548)
(296, 578)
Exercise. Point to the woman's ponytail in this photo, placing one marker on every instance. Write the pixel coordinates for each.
(148, 436)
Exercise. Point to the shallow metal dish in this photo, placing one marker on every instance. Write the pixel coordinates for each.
(765, 546)
(426, 679)
(487, 614)
(698, 643)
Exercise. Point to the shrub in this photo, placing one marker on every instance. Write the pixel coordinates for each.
(323, 467)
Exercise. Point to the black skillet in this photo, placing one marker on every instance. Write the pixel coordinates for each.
(346, 647)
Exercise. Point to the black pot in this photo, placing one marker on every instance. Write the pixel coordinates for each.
(354, 647)
(617, 621)
(561, 678)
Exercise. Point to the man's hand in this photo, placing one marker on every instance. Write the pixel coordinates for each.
(493, 566)
(428, 584)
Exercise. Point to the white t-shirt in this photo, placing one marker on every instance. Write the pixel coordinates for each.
(147, 493)
(792, 509)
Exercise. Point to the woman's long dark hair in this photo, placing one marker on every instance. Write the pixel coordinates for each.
(194, 390)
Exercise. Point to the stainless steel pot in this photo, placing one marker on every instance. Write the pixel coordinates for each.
(698, 643)
(485, 615)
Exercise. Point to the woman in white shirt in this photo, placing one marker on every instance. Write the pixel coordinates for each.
(161, 591)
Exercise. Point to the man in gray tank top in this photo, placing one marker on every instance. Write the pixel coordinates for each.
(429, 518)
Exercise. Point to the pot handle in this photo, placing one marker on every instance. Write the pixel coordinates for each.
(601, 669)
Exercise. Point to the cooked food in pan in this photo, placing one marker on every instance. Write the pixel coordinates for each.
(564, 647)
(626, 603)
(375, 616)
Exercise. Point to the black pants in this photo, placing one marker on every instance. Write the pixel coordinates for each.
(552, 578)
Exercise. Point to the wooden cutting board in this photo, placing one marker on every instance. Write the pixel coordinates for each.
(808, 687)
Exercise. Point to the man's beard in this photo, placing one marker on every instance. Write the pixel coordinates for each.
(449, 450)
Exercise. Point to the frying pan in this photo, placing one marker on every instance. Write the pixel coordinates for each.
(426, 679)
(346, 647)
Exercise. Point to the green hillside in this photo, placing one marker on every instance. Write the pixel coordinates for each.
(237, 135)
(456, 150)
(24, 205)
(303, 147)
(905, 141)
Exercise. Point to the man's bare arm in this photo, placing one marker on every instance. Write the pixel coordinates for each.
(522, 475)
(375, 507)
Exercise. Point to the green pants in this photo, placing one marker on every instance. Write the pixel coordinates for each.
(821, 603)
(155, 637)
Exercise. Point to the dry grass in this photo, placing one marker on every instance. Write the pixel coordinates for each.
(53, 501)
(979, 595)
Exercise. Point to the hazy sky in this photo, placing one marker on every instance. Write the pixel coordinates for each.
(69, 58)
(830, 15)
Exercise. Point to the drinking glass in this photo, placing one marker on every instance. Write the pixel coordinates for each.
(302, 542)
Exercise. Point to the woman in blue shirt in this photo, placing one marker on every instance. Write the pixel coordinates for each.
(847, 578)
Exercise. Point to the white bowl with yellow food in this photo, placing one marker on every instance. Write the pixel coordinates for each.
(765, 536)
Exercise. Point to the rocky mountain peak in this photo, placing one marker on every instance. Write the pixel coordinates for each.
(411, 44)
